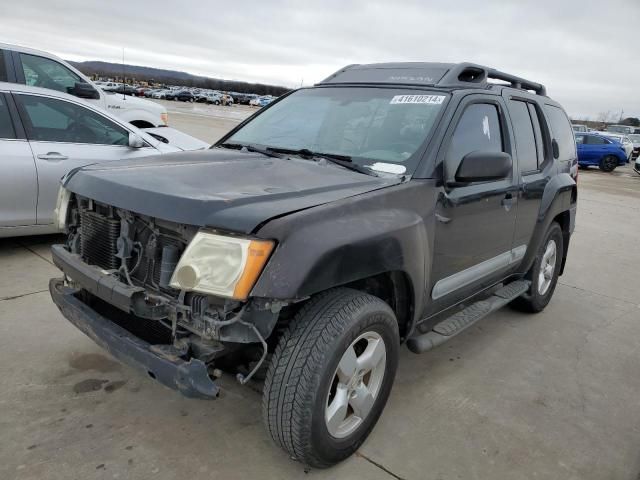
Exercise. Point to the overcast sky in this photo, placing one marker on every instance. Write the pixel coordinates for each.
(586, 52)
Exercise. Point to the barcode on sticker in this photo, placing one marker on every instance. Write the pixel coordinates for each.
(428, 99)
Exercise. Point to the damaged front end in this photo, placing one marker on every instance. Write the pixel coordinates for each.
(117, 288)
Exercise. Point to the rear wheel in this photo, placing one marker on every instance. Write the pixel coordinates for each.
(331, 375)
(608, 163)
(544, 273)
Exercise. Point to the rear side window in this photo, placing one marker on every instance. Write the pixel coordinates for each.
(478, 130)
(3, 67)
(6, 127)
(525, 138)
(53, 120)
(46, 73)
(595, 140)
(562, 132)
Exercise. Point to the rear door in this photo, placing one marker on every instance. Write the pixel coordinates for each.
(535, 163)
(597, 147)
(64, 135)
(18, 181)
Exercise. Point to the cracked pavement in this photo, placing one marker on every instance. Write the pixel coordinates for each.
(554, 395)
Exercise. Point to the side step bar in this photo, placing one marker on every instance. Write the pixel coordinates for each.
(456, 323)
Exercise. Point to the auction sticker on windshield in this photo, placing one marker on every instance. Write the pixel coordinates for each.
(428, 99)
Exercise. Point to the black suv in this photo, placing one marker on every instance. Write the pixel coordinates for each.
(389, 204)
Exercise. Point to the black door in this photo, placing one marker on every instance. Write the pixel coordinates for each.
(475, 222)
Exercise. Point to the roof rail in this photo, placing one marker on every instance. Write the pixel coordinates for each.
(517, 82)
(451, 75)
(462, 74)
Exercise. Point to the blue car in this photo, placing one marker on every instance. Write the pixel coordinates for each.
(598, 151)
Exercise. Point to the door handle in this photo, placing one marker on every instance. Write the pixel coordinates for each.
(507, 201)
(442, 219)
(52, 156)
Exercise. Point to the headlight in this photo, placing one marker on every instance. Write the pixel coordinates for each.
(221, 265)
(62, 208)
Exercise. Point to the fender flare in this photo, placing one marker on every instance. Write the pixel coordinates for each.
(559, 196)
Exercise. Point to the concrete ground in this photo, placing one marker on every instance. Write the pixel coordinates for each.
(548, 396)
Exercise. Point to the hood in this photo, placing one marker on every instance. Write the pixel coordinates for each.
(226, 189)
(131, 102)
(176, 138)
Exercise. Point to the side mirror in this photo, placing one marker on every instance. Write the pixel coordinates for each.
(482, 166)
(135, 141)
(555, 149)
(85, 90)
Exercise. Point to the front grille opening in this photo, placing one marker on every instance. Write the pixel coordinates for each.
(100, 228)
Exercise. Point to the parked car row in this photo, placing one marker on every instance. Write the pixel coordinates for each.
(262, 101)
(185, 94)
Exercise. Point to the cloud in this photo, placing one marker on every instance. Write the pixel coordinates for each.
(583, 51)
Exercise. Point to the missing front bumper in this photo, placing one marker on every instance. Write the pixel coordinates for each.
(188, 377)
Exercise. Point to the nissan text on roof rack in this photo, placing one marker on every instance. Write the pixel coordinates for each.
(41, 69)
(389, 204)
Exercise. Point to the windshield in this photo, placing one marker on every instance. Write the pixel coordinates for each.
(635, 138)
(366, 124)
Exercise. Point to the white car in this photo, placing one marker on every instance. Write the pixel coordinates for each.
(627, 144)
(635, 140)
(41, 69)
(44, 134)
(107, 86)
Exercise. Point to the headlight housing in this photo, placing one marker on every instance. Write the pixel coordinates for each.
(62, 208)
(221, 265)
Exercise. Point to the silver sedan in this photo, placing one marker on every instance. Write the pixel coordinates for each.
(44, 134)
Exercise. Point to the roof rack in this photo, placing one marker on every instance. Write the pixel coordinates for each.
(451, 75)
(462, 74)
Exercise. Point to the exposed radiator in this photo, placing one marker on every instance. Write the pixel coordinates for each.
(98, 238)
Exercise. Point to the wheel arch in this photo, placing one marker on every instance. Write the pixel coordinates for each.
(142, 124)
(396, 289)
(558, 201)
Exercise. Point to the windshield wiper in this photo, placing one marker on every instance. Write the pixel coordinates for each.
(269, 152)
(342, 160)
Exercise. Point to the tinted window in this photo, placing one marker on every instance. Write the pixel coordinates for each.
(6, 127)
(525, 138)
(540, 143)
(563, 133)
(478, 130)
(580, 139)
(52, 120)
(3, 67)
(595, 140)
(46, 73)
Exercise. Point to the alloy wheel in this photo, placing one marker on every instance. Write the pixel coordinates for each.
(355, 385)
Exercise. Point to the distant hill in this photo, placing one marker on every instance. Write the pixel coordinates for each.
(173, 77)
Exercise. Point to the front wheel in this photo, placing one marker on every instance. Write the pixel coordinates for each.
(608, 163)
(331, 375)
(544, 273)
